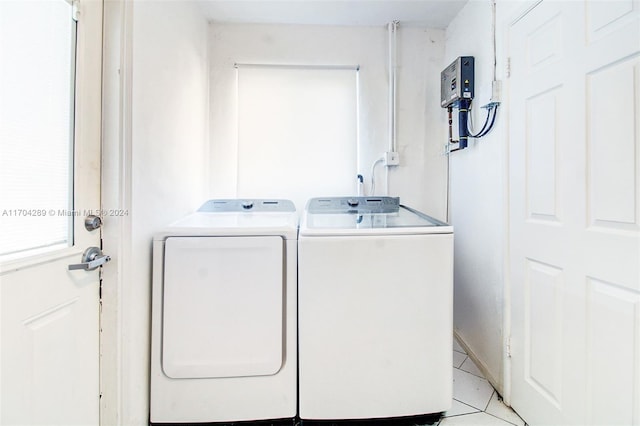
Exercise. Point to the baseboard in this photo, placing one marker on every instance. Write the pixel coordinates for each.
(497, 385)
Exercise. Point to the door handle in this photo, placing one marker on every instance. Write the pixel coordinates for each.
(92, 258)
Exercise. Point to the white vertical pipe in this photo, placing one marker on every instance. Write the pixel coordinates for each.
(390, 72)
(392, 29)
(394, 58)
(358, 147)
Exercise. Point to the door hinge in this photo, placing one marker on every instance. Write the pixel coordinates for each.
(508, 67)
(75, 10)
(509, 347)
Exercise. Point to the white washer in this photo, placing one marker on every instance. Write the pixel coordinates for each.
(223, 341)
(375, 297)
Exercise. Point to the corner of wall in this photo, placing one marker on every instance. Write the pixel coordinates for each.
(477, 203)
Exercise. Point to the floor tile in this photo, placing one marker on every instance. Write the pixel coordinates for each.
(458, 359)
(470, 367)
(457, 347)
(459, 408)
(477, 419)
(497, 408)
(471, 390)
(475, 402)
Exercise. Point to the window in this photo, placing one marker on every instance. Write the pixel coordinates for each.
(297, 132)
(37, 62)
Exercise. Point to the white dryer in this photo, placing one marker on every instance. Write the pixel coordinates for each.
(223, 341)
(375, 296)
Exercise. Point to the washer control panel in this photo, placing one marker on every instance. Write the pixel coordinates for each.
(247, 205)
(354, 205)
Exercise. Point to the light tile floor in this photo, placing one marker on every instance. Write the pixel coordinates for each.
(475, 402)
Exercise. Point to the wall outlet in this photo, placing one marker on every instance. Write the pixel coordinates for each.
(391, 158)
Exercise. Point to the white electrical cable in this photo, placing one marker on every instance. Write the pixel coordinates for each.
(372, 189)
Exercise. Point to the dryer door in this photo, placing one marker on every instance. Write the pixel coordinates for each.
(223, 306)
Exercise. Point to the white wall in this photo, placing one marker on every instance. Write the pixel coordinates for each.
(166, 155)
(420, 181)
(478, 200)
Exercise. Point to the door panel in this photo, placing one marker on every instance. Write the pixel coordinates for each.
(612, 93)
(574, 192)
(613, 316)
(49, 346)
(49, 336)
(542, 145)
(543, 339)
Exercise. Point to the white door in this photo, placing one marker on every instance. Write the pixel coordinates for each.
(50, 102)
(575, 212)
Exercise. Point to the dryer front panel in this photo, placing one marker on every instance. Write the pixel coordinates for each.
(223, 306)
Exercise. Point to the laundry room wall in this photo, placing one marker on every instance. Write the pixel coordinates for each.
(478, 201)
(420, 180)
(156, 170)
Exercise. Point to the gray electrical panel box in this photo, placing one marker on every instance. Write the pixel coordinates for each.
(456, 81)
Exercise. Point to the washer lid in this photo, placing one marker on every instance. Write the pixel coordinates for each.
(402, 220)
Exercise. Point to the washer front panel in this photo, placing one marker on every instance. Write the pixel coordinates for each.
(375, 325)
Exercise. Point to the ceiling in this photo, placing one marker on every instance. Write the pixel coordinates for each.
(428, 13)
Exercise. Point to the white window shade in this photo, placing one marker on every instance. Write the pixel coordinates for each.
(37, 42)
(297, 132)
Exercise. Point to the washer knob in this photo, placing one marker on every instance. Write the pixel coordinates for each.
(353, 202)
(247, 205)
